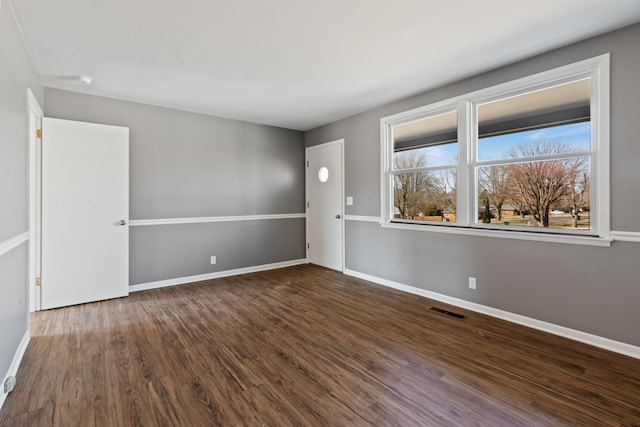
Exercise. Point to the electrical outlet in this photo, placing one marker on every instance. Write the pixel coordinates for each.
(9, 384)
(213, 259)
(349, 201)
(472, 282)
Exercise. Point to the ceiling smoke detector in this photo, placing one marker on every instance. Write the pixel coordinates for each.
(83, 79)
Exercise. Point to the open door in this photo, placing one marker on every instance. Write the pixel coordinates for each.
(85, 212)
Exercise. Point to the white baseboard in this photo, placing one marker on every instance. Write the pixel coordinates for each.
(594, 340)
(15, 364)
(214, 275)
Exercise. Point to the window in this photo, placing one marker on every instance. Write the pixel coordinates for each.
(525, 159)
(425, 153)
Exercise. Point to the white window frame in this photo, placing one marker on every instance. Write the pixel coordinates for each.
(597, 69)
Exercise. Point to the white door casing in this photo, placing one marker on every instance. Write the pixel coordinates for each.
(85, 196)
(35, 123)
(325, 212)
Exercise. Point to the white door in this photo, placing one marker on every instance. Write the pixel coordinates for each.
(324, 205)
(85, 212)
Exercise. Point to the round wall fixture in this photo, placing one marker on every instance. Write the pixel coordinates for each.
(323, 174)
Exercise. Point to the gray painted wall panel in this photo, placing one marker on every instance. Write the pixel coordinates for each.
(362, 159)
(186, 165)
(590, 289)
(16, 75)
(15, 303)
(169, 251)
(191, 165)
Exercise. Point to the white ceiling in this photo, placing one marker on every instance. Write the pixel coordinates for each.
(293, 63)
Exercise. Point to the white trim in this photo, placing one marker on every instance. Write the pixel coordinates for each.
(35, 188)
(583, 337)
(33, 102)
(626, 236)
(215, 275)
(618, 236)
(15, 363)
(198, 220)
(343, 162)
(601, 128)
(502, 234)
(13, 242)
(363, 218)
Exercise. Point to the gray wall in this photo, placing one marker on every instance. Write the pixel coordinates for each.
(16, 75)
(167, 251)
(185, 165)
(595, 290)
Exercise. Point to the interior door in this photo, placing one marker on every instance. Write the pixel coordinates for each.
(85, 211)
(324, 205)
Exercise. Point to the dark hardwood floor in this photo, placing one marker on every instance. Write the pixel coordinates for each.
(306, 346)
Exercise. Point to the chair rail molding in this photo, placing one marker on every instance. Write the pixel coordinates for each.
(13, 242)
(198, 220)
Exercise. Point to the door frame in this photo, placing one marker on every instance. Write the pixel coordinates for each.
(307, 150)
(34, 112)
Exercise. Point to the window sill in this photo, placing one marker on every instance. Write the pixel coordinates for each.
(501, 234)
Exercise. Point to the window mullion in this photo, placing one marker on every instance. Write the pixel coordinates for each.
(464, 156)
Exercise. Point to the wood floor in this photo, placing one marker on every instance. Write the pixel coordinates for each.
(306, 346)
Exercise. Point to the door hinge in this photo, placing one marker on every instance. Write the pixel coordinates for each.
(38, 281)
(307, 163)
(307, 204)
(39, 133)
(307, 246)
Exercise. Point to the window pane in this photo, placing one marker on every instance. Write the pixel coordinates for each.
(548, 194)
(425, 196)
(435, 155)
(551, 140)
(520, 125)
(431, 141)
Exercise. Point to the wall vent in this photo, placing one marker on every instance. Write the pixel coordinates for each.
(448, 313)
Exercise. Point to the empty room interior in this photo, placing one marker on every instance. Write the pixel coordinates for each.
(410, 213)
